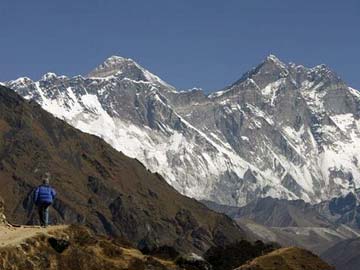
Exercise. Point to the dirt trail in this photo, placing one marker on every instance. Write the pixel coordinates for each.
(11, 235)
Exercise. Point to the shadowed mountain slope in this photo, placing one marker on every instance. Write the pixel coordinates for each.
(344, 255)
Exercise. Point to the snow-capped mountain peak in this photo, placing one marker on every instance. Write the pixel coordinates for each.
(22, 81)
(111, 66)
(114, 59)
(324, 72)
(121, 68)
(282, 130)
(274, 59)
(48, 76)
(269, 70)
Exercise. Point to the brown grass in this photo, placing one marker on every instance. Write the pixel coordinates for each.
(291, 258)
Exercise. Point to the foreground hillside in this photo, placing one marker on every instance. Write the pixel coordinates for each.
(76, 248)
(97, 186)
(73, 248)
(287, 259)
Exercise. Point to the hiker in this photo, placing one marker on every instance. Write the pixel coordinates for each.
(43, 197)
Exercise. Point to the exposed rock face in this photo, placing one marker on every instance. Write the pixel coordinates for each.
(193, 261)
(96, 185)
(282, 130)
(342, 210)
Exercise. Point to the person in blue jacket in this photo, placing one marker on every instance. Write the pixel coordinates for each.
(43, 197)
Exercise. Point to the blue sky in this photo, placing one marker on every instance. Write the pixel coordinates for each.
(188, 43)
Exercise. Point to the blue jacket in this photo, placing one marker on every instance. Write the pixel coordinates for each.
(44, 194)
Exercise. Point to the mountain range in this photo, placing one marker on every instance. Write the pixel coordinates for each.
(275, 212)
(330, 229)
(281, 130)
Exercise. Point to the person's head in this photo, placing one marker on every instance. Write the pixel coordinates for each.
(46, 179)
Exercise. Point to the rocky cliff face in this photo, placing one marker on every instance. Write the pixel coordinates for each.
(342, 209)
(282, 130)
(97, 186)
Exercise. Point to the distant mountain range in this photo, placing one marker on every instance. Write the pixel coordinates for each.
(274, 212)
(281, 130)
(320, 228)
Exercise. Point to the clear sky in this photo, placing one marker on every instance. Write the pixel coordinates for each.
(188, 43)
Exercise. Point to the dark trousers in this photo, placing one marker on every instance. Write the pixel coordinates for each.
(44, 213)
